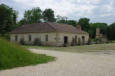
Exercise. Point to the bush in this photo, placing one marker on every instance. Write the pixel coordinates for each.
(89, 42)
(22, 41)
(37, 41)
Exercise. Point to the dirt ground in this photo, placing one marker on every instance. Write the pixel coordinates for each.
(69, 64)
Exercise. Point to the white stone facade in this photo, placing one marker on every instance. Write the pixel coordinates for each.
(49, 39)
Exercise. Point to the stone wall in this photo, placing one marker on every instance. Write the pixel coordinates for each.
(40, 36)
(72, 36)
(54, 39)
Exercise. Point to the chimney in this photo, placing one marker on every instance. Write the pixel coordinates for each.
(78, 27)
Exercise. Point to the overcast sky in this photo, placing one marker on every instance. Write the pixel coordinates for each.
(96, 10)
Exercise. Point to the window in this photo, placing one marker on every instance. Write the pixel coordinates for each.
(46, 37)
(30, 38)
(16, 38)
(83, 37)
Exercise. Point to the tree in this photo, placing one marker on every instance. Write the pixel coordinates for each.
(72, 22)
(28, 16)
(65, 21)
(61, 19)
(103, 28)
(21, 22)
(7, 19)
(84, 22)
(48, 15)
(111, 31)
(33, 16)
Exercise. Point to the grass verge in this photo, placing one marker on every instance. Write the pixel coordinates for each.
(13, 55)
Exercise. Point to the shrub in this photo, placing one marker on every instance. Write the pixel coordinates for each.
(37, 41)
(89, 42)
(22, 41)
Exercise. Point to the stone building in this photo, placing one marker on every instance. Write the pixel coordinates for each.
(101, 38)
(49, 34)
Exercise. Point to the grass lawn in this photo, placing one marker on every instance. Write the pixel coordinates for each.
(13, 55)
(80, 49)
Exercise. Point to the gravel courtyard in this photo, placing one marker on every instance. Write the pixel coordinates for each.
(69, 64)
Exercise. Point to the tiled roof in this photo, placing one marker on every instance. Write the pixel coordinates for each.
(46, 27)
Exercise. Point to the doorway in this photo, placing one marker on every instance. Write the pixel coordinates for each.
(65, 39)
(83, 40)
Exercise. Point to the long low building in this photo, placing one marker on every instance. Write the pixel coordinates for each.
(49, 34)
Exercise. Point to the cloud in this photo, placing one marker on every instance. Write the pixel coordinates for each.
(88, 1)
(61, 7)
(74, 9)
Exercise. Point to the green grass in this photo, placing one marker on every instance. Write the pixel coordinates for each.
(113, 41)
(80, 49)
(13, 55)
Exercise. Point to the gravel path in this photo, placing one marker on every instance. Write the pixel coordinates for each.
(68, 64)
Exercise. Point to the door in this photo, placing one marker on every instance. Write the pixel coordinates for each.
(65, 39)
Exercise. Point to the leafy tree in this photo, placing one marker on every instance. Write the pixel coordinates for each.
(7, 19)
(84, 22)
(65, 21)
(28, 16)
(33, 16)
(36, 14)
(21, 22)
(60, 18)
(111, 31)
(72, 22)
(103, 28)
(48, 15)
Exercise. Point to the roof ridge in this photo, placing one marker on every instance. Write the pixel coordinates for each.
(51, 26)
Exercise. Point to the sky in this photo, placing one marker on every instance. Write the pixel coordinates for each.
(95, 10)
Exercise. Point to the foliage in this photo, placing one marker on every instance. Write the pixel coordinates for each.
(84, 22)
(65, 21)
(113, 41)
(48, 15)
(72, 22)
(22, 41)
(12, 55)
(21, 22)
(32, 16)
(111, 31)
(89, 42)
(102, 26)
(37, 41)
(7, 19)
